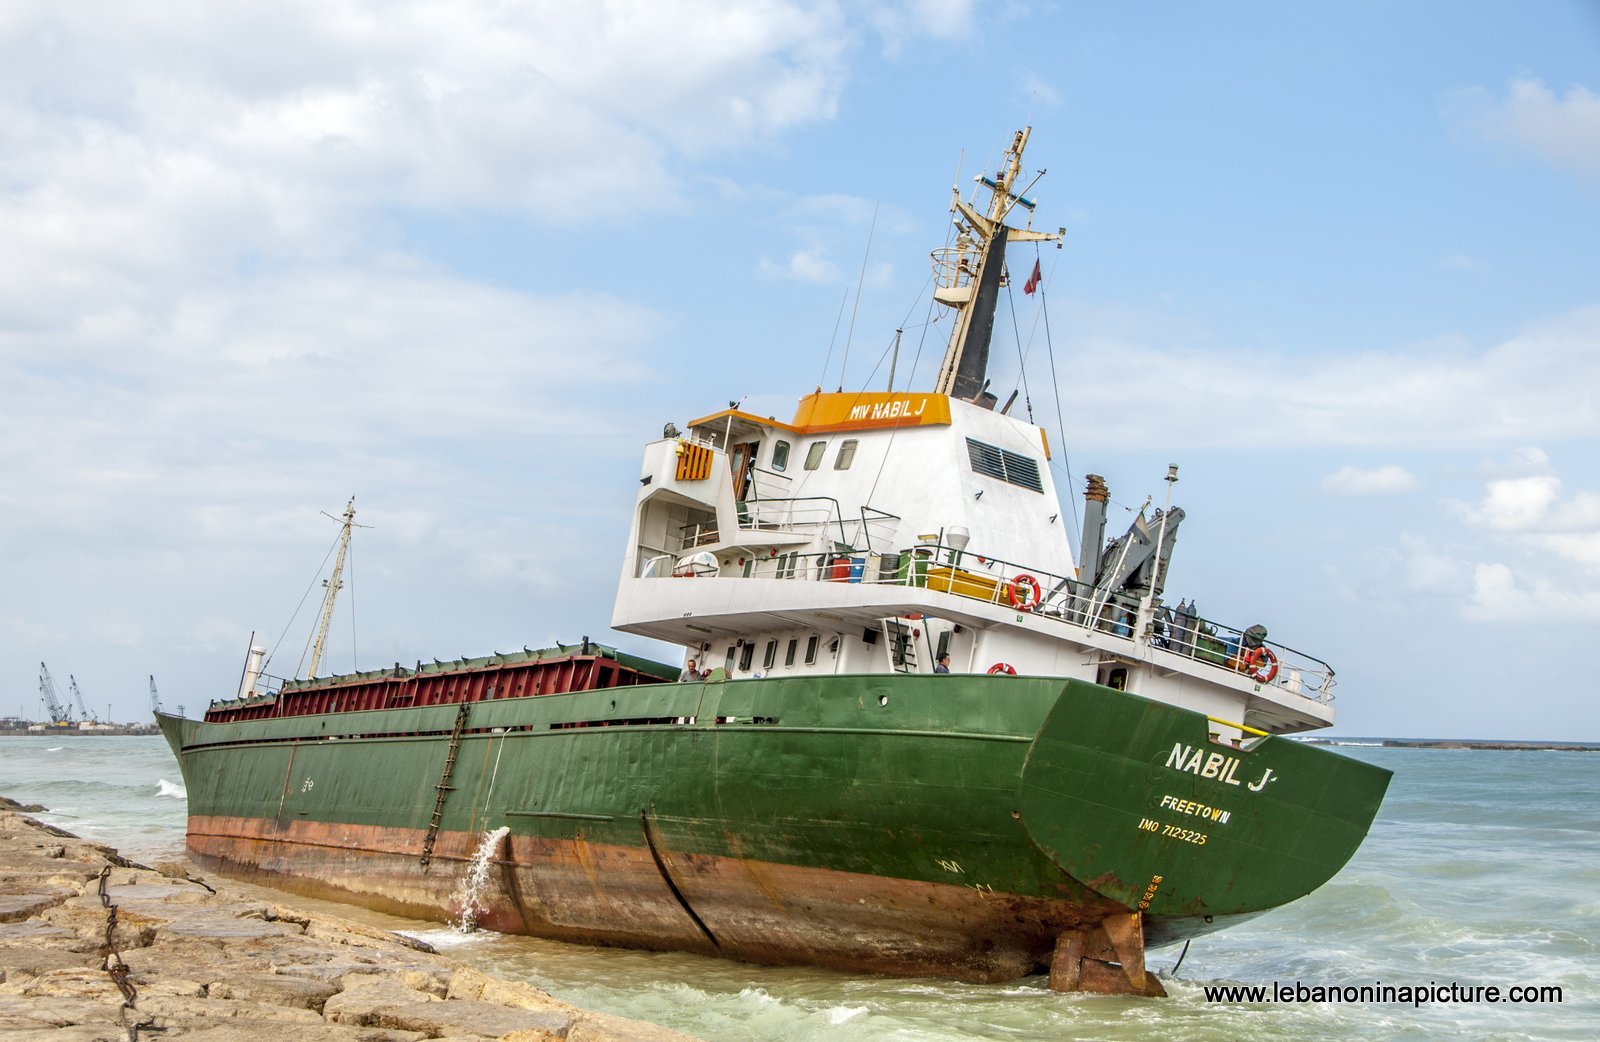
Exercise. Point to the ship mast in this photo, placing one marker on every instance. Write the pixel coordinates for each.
(333, 584)
(968, 274)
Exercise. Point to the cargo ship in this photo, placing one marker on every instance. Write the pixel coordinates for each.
(908, 734)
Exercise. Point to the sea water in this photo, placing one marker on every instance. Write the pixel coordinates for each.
(1482, 869)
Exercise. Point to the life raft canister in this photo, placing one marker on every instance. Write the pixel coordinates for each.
(1020, 600)
(1003, 667)
(1261, 665)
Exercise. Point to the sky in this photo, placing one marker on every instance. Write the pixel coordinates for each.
(460, 260)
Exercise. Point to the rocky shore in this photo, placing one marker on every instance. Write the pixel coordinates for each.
(95, 947)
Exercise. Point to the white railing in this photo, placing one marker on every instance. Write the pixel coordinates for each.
(943, 569)
(954, 267)
(821, 516)
(806, 514)
(768, 484)
(698, 533)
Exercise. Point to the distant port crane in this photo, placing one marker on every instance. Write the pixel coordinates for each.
(60, 714)
(155, 699)
(77, 695)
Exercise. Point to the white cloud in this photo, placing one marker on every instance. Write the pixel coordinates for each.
(1563, 130)
(1522, 462)
(1537, 385)
(1358, 481)
(810, 265)
(1516, 504)
(836, 224)
(1428, 570)
(941, 19)
(1548, 540)
(258, 389)
(1498, 596)
(1412, 564)
(1581, 548)
(279, 126)
(206, 325)
(1534, 504)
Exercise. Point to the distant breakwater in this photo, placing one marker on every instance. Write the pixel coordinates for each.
(1462, 743)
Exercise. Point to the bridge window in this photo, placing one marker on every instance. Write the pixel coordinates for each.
(814, 454)
(811, 651)
(1008, 466)
(780, 456)
(771, 656)
(788, 657)
(847, 454)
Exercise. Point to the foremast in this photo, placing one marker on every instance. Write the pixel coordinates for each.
(333, 584)
(968, 275)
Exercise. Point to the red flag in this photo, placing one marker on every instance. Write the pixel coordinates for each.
(1033, 280)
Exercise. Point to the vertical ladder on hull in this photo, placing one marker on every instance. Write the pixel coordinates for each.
(444, 787)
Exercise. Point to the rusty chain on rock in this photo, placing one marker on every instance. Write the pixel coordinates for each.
(118, 970)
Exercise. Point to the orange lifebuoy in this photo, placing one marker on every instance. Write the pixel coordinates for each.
(1022, 602)
(1002, 667)
(1261, 665)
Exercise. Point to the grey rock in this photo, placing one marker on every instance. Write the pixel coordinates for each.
(71, 1033)
(364, 998)
(175, 1007)
(18, 1013)
(273, 990)
(466, 1017)
(223, 926)
(15, 907)
(233, 1031)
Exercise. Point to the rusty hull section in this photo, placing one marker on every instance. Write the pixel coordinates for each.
(639, 897)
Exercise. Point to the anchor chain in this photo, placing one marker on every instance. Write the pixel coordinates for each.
(118, 970)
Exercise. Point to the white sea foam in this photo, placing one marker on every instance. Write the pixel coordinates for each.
(55, 748)
(166, 788)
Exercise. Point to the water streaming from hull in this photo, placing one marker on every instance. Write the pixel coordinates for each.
(468, 899)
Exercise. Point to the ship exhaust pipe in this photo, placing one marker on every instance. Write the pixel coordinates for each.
(1095, 496)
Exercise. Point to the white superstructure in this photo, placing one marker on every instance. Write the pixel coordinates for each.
(877, 531)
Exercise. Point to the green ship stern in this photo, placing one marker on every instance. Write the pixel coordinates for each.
(1136, 800)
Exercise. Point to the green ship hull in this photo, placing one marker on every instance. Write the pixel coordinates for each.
(944, 825)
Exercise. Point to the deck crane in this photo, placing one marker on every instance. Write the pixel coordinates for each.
(87, 716)
(60, 715)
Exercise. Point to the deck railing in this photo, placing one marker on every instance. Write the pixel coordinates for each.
(964, 573)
